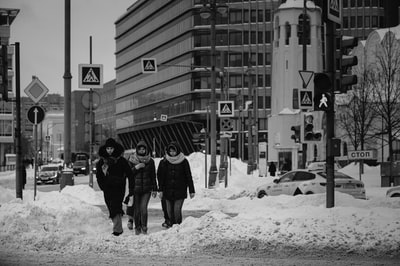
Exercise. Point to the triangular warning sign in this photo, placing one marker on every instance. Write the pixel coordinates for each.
(90, 77)
(149, 66)
(226, 109)
(306, 77)
(306, 99)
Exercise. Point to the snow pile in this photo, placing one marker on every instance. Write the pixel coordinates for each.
(234, 220)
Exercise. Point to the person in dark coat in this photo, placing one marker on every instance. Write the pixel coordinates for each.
(113, 170)
(175, 179)
(144, 176)
(23, 176)
(272, 169)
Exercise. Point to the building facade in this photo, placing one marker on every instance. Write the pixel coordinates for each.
(173, 32)
(7, 111)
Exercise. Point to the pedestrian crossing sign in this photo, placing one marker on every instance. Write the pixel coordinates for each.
(91, 76)
(149, 65)
(306, 99)
(226, 109)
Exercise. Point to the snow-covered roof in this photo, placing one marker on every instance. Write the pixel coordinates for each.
(287, 111)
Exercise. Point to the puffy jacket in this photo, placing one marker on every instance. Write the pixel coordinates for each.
(175, 179)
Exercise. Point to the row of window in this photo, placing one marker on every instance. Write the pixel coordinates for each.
(234, 59)
(363, 22)
(238, 16)
(203, 38)
(235, 81)
(361, 3)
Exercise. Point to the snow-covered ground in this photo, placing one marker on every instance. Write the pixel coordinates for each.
(71, 220)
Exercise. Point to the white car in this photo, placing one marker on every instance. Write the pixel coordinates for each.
(304, 182)
(393, 192)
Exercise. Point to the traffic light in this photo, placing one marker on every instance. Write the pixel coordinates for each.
(296, 134)
(199, 139)
(323, 98)
(308, 128)
(345, 62)
(4, 73)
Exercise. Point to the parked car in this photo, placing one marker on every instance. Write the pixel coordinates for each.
(393, 192)
(81, 167)
(49, 174)
(304, 182)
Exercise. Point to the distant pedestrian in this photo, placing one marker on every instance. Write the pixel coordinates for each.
(175, 179)
(113, 170)
(272, 169)
(23, 175)
(145, 185)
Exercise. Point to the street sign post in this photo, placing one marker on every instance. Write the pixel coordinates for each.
(36, 90)
(149, 65)
(335, 11)
(91, 76)
(226, 109)
(360, 155)
(306, 97)
(35, 114)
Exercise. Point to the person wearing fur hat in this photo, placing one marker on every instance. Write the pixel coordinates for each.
(144, 176)
(113, 170)
(175, 179)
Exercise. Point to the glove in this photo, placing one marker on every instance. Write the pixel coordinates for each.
(139, 165)
(154, 194)
(191, 195)
(104, 167)
(160, 195)
(126, 201)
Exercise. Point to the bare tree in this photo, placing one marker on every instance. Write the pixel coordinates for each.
(356, 118)
(385, 81)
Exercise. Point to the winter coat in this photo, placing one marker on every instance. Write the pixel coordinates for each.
(113, 182)
(174, 179)
(144, 178)
(272, 169)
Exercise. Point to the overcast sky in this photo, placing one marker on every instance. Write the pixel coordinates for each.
(39, 28)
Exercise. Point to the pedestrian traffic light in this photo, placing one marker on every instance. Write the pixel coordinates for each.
(4, 73)
(199, 139)
(296, 134)
(309, 132)
(323, 97)
(345, 62)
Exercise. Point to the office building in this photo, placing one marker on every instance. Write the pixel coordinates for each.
(173, 103)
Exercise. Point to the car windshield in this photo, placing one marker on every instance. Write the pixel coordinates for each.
(49, 168)
(338, 175)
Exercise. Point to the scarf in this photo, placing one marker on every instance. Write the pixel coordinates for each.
(136, 158)
(175, 159)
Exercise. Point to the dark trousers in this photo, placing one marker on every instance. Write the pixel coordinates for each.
(140, 214)
(174, 209)
(164, 209)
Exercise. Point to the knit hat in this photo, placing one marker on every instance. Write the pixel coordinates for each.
(173, 146)
(110, 143)
(141, 144)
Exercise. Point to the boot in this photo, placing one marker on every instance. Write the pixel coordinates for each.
(144, 230)
(137, 231)
(130, 224)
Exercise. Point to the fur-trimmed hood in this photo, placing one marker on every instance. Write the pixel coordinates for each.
(118, 149)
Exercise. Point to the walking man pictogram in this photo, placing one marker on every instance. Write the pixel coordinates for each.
(323, 101)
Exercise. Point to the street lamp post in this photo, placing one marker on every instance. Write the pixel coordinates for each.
(209, 10)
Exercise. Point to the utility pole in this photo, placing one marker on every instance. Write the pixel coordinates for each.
(330, 43)
(304, 46)
(19, 163)
(67, 85)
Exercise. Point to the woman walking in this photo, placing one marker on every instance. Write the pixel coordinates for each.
(113, 170)
(175, 179)
(145, 185)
